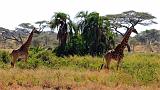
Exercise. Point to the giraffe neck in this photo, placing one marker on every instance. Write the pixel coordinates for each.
(28, 42)
(126, 37)
(124, 42)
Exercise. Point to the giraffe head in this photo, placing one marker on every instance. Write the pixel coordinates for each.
(134, 30)
(36, 31)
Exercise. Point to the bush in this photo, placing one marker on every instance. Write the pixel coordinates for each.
(35, 50)
(74, 47)
(49, 59)
(31, 64)
(4, 57)
(45, 57)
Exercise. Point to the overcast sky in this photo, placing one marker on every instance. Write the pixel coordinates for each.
(14, 12)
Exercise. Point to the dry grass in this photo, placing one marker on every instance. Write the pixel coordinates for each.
(39, 79)
(139, 71)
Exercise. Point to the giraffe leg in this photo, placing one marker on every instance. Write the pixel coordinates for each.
(107, 63)
(26, 58)
(13, 61)
(118, 62)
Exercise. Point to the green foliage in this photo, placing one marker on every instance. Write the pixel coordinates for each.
(45, 57)
(4, 57)
(31, 64)
(90, 36)
(61, 51)
(74, 47)
(64, 26)
(56, 18)
(144, 69)
(138, 69)
(35, 50)
(94, 30)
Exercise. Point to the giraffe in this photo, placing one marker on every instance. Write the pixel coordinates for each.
(117, 53)
(22, 52)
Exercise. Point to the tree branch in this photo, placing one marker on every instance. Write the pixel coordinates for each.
(20, 39)
(119, 32)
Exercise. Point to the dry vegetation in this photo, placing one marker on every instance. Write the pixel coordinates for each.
(63, 79)
(139, 71)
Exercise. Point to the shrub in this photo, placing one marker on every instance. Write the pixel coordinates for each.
(45, 57)
(35, 50)
(31, 64)
(4, 57)
(74, 47)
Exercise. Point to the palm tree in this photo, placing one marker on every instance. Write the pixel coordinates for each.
(59, 21)
(64, 26)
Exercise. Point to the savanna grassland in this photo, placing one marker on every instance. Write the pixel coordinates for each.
(138, 71)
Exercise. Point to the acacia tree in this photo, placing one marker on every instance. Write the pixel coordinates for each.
(18, 34)
(42, 24)
(2, 40)
(152, 36)
(149, 38)
(130, 19)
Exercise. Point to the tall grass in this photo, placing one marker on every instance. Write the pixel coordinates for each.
(47, 70)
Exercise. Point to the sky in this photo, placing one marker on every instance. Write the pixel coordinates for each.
(14, 12)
